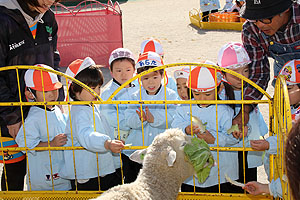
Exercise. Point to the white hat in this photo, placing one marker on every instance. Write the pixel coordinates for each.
(291, 72)
(78, 65)
(120, 53)
(149, 59)
(182, 73)
(203, 79)
(233, 55)
(153, 45)
(36, 80)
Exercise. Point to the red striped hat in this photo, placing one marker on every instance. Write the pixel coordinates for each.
(33, 79)
(149, 59)
(203, 79)
(153, 45)
(291, 72)
(233, 55)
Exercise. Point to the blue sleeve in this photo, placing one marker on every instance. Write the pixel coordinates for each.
(225, 123)
(32, 134)
(275, 188)
(272, 145)
(181, 120)
(86, 135)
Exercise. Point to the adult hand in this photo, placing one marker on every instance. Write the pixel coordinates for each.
(14, 129)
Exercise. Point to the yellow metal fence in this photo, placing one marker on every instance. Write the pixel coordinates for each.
(279, 125)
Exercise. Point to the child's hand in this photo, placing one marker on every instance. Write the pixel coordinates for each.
(114, 146)
(239, 134)
(188, 130)
(149, 115)
(260, 145)
(256, 188)
(59, 140)
(207, 136)
(139, 111)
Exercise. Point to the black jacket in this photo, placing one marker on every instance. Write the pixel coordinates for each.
(17, 47)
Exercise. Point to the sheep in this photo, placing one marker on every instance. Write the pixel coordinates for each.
(164, 170)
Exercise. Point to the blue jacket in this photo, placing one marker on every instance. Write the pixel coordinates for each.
(110, 110)
(256, 127)
(39, 161)
(212, 5)
(228, 160)
(92, 138)
(158, 111)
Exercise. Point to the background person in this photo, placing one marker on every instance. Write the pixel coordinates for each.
(28, 36)
(272, 30)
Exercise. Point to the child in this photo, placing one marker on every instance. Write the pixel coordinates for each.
(227, 5)
(233, 56)
(237, 6)
(181, 77)
(207, 7)
(37, 131)
(202, 85)
(155, 45)
(292, 75)
(91, 131)
(149, 121)
(122, 67)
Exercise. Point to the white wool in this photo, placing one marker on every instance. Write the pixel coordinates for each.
(164, 170)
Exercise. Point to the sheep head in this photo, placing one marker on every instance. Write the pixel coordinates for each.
(168, 151)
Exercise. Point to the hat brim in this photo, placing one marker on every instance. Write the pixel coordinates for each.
(47, 88)
(254, 14)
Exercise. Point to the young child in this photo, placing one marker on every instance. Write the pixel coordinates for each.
(181, 77)
(292, 75)
(152, 116)
(37, 132)
(122, 67)
(155, 45)
(207, 7)
(90, 130)
(202, 85)
(233, 56)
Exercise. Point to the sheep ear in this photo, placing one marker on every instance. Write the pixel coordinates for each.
(138, 156)
(171, 157)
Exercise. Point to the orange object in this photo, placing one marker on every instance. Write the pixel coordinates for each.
(224, 17)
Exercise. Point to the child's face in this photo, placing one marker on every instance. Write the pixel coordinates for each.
(294, 94)
(210, 95)
(122, 71)
(151, 82)
(182, 88)
(235, 82)
(49, 96)
(84, 95)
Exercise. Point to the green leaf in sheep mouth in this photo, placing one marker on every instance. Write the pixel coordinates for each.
(198, 154)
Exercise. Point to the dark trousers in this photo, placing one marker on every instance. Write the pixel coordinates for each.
(15, 173)
(106, 182)
(131, 169)
(225, 188)
(205, 15)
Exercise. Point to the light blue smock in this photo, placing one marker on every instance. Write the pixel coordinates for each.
(159, 113)
(256, 127)
(110, 110)
(92, 139)
(275, 188)
(212, 5)
(228, 160)
(39, 161)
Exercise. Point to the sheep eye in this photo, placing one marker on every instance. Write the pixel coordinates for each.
(183, 144)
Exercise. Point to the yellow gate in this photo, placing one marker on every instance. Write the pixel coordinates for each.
(279, 125)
